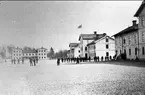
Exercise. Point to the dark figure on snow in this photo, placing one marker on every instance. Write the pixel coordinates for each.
(30, 59)
(18, 61)
(89, 59)
(34, 61)
(77, 62)
(102, 58)
(58, 62)
(62, 60)
(22, 60)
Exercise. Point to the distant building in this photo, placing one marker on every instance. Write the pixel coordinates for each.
(140, 14)
(27, 53)
(42, 53)
(74, 50)
(86, 39)
(17, 53)
(127, 42)
(103, 46)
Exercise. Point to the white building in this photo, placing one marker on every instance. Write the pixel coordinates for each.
(86, 39)
(27, 53)
(74, 50)
(102, 47)
(17, 53)
(42, 53)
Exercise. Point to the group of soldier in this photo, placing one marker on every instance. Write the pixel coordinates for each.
(32, 60)
(14, 61)
(106, 58)
(83, 59)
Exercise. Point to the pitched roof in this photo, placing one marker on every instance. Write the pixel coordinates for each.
(90, 36)
(98, 38)
(73, 44)
(140, 9)
(127, 30)
(29, 51)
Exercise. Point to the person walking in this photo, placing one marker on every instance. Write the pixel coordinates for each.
(58, 62)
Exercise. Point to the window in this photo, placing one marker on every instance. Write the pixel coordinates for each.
(143, 51)
(129, 41)
(129, 51)
(135, 41)
(79, 51)
(142, 36)
(124, 41)
(107, 53)
(107, 46)
(142, 21)
(135, 51)
(107, 40)
(85, 48)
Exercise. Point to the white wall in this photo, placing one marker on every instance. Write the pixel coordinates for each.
(101, 47)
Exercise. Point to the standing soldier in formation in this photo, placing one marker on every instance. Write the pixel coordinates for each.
(22, 60)
(58, 62)
(31, 64)
(34, 60)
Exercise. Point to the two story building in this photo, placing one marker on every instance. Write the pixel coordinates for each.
(140, 14)
(17, 53)
(127, 42)
(42, 53)
(74, 50)
(86, 39)
(103, 46)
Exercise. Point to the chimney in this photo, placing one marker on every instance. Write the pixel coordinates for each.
(133, 22)
(95, 32)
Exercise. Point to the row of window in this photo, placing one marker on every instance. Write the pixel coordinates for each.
(143, 51)
(41, 50)
(28, 54)
(42, 57)
(129, 40)
(107, 47)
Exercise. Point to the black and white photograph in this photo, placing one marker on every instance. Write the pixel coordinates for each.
(74, 47)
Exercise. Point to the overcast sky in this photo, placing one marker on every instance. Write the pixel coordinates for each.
(54, 23)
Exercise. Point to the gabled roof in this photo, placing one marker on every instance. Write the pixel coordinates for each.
(99, 38)
(87, 36)
(140, 9)
(127, 30)
(90, 36)
(73, 44)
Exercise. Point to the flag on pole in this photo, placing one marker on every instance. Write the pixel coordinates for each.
(80, 26)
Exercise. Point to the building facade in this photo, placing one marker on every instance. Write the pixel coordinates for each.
(17, 53)
(27, 53)
(85, 39)
(127, 42)
(140, 14)
(42, 53)
(102, 47)
(74, 50)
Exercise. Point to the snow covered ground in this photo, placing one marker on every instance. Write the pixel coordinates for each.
(70, 79)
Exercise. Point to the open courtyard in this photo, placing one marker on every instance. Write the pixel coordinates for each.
(46, 78)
